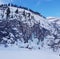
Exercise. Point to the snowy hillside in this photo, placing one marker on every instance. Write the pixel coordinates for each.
(23, 28)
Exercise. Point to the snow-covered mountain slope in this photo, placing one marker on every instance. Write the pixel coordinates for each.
(56, 25)
(54, 19)
(43, 22)
(55, 22)
(25, 28)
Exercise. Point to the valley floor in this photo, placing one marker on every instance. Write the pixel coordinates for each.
(7, 53)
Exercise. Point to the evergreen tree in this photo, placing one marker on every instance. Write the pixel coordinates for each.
(24, 13)
(9, 4)
(16, 11)
(7, 12)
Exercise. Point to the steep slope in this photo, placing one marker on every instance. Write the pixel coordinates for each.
(56, 25)
(55, 22)
(26, 29)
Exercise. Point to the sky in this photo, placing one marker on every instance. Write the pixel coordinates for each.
(48, 8)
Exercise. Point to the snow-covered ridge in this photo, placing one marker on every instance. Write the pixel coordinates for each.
(38, 18)
(52, 19)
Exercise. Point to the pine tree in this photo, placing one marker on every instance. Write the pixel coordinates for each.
(24, 13)
(8, 12)
(9, 4)
(16, 11)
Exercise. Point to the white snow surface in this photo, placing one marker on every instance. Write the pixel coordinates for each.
(52, 19)
(15, 53)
